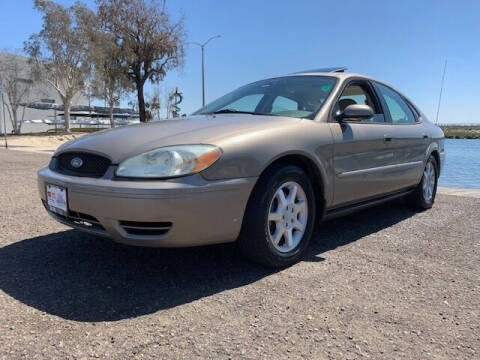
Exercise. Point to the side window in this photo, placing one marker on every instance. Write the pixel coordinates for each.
(399, 111)
(359, 94)
(281, 104)
(246, 103)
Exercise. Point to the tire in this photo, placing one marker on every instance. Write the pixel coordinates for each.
(259, 239)
(420, 199)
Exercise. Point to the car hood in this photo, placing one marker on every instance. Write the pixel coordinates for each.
(121, 143)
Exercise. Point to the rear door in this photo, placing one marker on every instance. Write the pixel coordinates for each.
(410, 138)
(363, 155)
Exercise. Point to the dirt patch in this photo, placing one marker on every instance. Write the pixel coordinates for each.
(38, 142)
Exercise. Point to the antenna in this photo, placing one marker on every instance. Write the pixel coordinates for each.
(441, 91)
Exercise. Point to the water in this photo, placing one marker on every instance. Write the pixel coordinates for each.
(462, 165)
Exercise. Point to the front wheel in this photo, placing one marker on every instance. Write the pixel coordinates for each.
(278, 221)
(423, 196)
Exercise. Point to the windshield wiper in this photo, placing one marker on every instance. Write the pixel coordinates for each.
(233, 111)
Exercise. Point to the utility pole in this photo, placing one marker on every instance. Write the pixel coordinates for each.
(3, 113)
(202, 46)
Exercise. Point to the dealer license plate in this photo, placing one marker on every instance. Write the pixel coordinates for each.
(57, 199)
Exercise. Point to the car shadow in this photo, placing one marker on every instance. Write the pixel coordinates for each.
(85, 278)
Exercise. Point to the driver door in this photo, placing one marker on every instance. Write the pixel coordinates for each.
(363, 156)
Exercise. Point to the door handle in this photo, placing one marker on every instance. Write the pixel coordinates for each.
(425, 136)
(387, 138)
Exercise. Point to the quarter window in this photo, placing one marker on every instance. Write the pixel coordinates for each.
(399, 110)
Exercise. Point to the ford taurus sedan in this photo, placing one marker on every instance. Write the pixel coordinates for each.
(259, 166)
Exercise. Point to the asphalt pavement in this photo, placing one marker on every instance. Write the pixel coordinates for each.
(386, 283)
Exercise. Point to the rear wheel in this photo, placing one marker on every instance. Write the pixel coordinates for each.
(278, 222)
(424, 195)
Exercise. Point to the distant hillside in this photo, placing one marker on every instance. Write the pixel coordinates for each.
(461, 131)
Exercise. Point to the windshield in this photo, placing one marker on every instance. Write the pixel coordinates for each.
(293, 96)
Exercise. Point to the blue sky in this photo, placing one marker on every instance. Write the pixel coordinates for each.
(404, 43)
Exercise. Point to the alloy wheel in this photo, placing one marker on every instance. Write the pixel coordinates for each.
(287, 217)
(428, 181)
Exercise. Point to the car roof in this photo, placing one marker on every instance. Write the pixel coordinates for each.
(336, 71)
(340, 73)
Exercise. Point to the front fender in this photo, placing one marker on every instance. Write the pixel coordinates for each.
(248, 155)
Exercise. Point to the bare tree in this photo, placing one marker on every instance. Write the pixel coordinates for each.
(59, 52)
(109, 81)
(150, 43)
(15, 78)
(168, 101)
(154, 104)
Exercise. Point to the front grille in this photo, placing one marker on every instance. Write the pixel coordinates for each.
(146, 228)
(92, 165)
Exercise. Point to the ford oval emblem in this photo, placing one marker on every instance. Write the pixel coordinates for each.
(76, 162)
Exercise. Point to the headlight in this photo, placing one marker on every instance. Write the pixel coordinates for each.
(170, 161)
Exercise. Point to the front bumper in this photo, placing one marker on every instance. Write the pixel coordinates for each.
(187, 211)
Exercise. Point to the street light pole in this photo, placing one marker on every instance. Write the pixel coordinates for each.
(203, 76)
(202, 46)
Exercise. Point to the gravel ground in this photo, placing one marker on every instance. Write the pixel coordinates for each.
(385, 283)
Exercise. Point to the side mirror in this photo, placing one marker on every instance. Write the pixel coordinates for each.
(356, 112)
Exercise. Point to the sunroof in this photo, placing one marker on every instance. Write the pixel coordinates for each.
(329, 69)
